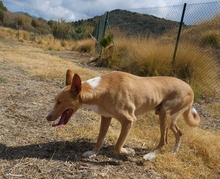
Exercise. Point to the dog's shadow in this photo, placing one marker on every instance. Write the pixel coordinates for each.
(61, 150)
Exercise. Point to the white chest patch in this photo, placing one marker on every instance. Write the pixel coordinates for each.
(94, 82)
(95, 108)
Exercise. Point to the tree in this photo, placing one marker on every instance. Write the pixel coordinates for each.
(2, 7)
(2, 13)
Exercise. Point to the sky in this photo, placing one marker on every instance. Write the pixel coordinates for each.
(74, 10)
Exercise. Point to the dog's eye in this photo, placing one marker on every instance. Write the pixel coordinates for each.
(58, 102)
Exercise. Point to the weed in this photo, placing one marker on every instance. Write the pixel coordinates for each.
(2, 80)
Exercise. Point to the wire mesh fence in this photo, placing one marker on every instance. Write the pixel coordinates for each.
(199, 40)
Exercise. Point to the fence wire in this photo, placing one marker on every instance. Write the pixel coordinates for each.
(199, 38)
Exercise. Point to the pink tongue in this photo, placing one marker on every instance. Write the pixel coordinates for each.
(61, 122)
(64, 118)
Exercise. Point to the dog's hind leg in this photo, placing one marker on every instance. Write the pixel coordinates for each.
(165, 122)
(105, 122)
(177, 134)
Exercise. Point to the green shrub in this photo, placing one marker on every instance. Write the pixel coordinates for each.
(106, 40)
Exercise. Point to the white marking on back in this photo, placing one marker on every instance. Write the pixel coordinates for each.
(94, 82)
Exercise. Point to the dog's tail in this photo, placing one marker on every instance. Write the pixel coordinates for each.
(191, 117)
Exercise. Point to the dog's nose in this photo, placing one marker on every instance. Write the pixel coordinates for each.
(48, 117)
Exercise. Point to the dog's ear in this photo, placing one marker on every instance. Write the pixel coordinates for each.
(76, 84)
(69, 77)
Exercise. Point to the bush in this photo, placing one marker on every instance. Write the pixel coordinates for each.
(211, 40)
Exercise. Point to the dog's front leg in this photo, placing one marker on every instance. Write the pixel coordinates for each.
(105, 122)
(126, 127)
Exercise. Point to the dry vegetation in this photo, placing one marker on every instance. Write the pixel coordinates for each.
(32, 72)
(31, 148)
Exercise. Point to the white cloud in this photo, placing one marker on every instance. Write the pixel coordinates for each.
(72, 10)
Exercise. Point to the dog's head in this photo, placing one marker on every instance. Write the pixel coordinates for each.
(67, 101)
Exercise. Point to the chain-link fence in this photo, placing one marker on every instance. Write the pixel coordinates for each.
(199, 38)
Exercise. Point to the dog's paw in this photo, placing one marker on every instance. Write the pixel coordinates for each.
(127, 151)
(130, 151)
(149, 156)
(89, 154)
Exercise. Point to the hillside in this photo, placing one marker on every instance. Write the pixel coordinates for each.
(134, 23)
(131, 23)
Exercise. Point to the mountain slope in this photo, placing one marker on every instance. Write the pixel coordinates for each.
(134, 23)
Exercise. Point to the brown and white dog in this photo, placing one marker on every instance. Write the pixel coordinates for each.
(123, 96)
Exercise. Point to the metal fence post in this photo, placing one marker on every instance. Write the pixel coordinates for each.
(178, 36)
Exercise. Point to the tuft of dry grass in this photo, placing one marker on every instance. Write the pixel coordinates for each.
(211, 39)
(49, 43)
(85, 45)
(7, 33)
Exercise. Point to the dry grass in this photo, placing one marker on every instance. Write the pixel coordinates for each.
(41, 64)
(198, 156)
(86, 45)
(7, 33)
(199, 32)
(199, 69)
(141, 57)
(153, 58)
(49, 43)
(46, 42)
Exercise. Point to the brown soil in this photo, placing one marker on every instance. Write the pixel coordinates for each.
(29, 148)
